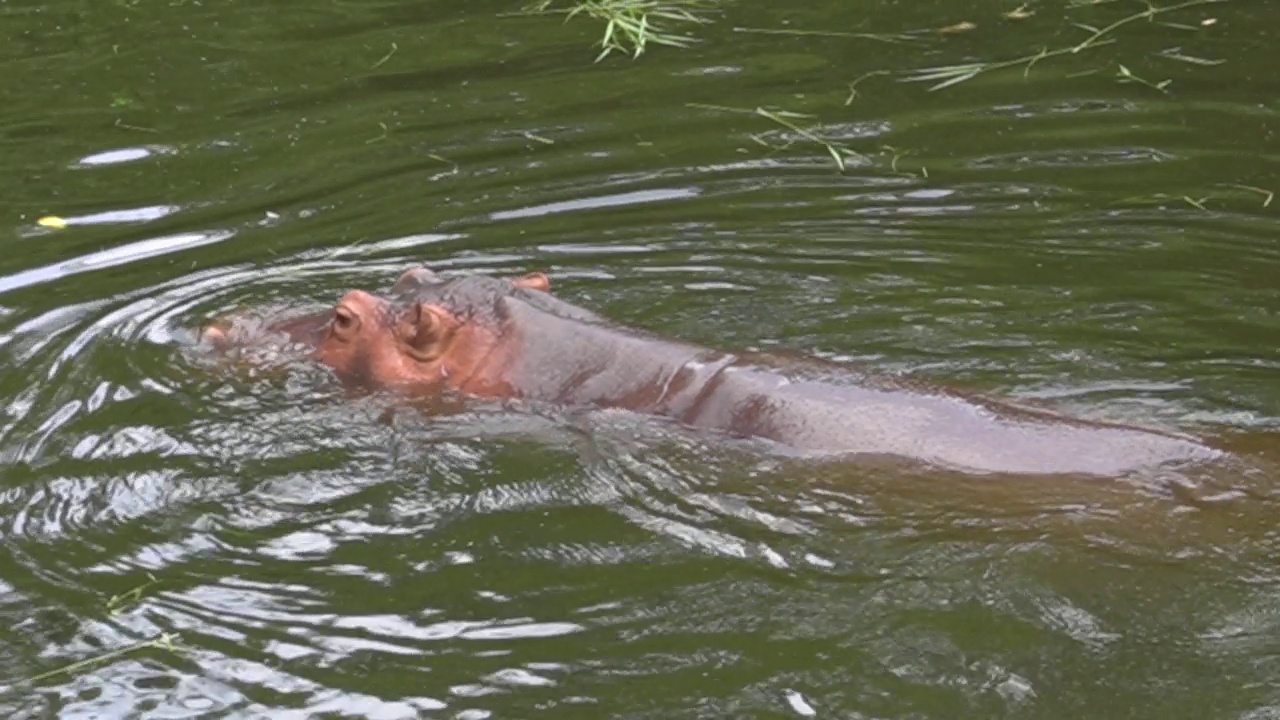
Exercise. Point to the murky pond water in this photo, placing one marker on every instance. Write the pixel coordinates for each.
(238, 544)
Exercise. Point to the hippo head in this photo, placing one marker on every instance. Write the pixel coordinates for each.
(425, 332)
(428, 331)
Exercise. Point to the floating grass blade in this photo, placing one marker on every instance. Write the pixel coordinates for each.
(117, 602)
(1149, 13)
(945, 71)
(1191, 59)
(630, 25)
(955, 80)
(954, 74)
(166, 641)
(1124, 75)
(838, 151)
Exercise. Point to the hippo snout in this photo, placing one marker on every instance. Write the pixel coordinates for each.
(214, 335)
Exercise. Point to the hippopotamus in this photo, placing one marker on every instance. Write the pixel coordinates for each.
(510, 338)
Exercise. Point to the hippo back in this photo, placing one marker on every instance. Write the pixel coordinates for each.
(479, 298)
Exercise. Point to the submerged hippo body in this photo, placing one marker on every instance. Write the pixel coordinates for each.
(512, 339)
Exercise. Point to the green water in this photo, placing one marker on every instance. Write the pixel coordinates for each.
(314, 557)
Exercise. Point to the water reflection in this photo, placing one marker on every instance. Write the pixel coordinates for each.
(297, 531)
(124, 155)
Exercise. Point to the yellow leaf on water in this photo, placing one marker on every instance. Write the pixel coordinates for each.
(52, 221)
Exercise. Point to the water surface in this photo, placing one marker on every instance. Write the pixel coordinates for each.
(1054, 235)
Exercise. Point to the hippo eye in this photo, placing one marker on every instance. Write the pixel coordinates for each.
(344, 321)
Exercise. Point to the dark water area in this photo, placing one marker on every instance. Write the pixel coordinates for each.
(238, 544)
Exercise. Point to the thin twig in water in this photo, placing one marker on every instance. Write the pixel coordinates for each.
(166, 641)
(1125, 76)
(386, 57)
(853, 86)
(1149, 13)
(955, 74)
(1269, 195)
(116, 603)
(1026, 72)
(893, 162)
(832, 149)
(383, 136)
(838, 151)
(125, 126)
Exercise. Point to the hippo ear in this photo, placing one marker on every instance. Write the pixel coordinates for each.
(414, 278)
(533, 281)
(426, 329)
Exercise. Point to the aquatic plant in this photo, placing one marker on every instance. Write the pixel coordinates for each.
(630, 25)
(949, 75)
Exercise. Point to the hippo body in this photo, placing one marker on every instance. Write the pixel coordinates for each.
(502, 339)
(809, 406)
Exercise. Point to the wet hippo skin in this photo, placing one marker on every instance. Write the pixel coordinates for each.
(511, 338)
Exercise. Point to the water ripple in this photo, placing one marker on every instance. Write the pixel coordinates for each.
(1081, 244)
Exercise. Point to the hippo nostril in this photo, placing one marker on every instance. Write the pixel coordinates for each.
(215, 336)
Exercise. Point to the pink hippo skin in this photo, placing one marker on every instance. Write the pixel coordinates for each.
(510, 338)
